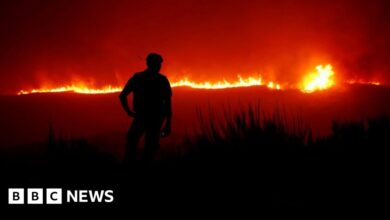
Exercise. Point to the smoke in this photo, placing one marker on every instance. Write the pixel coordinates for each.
(102, 42)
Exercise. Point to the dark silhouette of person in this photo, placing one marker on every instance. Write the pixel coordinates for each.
(151, 107)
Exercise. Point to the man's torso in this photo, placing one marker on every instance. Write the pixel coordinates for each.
(151, 90)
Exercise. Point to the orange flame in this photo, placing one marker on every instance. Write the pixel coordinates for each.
(240, 82)
(273, 85)
(360, 81)
(320, 80)
(73, 88)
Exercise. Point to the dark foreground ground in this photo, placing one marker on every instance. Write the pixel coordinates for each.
(247, 164)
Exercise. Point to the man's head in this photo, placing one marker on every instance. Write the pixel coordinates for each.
(153, 61)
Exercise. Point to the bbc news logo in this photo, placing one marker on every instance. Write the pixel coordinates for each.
(55, 196)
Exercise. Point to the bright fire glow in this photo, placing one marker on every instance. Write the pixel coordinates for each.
(320, 80)
(273, 85)
(360, 81)
(240, 82)
(73, 88)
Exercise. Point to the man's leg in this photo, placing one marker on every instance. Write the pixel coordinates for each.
(152, 138)
(133, 137)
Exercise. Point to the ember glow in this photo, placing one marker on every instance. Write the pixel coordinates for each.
(224, 84)
(321, 79)
(363, 82)
(73, 88)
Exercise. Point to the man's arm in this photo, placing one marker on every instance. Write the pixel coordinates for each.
(168, 118)
(123, 97)
(168, 111)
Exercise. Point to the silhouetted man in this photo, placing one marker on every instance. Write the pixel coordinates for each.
(151, 104)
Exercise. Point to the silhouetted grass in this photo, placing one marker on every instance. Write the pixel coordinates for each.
(271, 153)
(250, 131)
(272, 159)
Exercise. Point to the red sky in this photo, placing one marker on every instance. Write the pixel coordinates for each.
(101, 41)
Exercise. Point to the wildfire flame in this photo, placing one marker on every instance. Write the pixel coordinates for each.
(360, 81)
(240, 82)
(320, 80)
(73, 88)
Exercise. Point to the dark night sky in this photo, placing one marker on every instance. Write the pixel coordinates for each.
(61, 41)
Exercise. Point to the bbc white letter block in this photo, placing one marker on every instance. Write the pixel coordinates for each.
(34, 196)
(53, 196)
(15, 196)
